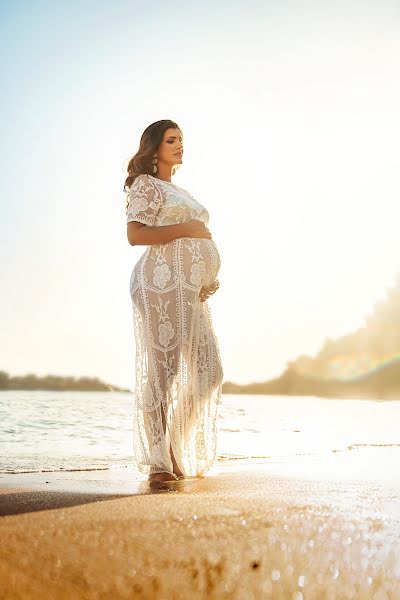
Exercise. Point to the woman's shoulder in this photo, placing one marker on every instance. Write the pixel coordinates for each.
(143, 183)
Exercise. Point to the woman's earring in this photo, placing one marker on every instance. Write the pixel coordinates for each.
(154, 161)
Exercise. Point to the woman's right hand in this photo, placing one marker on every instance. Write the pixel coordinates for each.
(196, 229)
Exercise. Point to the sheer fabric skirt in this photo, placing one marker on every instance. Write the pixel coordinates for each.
(179, 374)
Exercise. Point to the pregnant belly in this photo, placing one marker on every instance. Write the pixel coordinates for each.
(195, 261)
(200, 260)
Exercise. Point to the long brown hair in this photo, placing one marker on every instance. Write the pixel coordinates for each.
(141, 162)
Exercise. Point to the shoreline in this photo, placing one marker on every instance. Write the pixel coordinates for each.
(296, 530)
(367, 462)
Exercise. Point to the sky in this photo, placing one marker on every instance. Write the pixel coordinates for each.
(291, 122)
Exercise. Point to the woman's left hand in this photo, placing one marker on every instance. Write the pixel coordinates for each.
(206, 292)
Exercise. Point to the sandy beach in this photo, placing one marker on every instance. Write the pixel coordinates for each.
(255, 531)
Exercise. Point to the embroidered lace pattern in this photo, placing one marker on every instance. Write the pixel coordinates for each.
(178, 383)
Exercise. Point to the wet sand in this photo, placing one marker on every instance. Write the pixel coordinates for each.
(295, 530)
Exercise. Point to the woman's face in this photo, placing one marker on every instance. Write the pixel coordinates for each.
(170, 151)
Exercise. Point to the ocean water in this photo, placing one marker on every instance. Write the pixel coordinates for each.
(70, 431)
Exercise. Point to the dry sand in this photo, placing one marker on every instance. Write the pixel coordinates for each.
(258, 531)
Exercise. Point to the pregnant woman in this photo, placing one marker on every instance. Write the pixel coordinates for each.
(179, 374)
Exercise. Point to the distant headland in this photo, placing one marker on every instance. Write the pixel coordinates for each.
(381, 384)
(362, 364)
(56, 383)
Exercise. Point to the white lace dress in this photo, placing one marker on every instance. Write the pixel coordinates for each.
(179, 374)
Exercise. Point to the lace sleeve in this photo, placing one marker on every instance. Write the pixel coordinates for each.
(144, 201)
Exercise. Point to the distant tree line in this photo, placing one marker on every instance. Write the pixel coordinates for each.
(371, 347)
(55, 383)
(362, 364)
(382, 384)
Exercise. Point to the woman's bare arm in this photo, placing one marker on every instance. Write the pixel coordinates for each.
(140, 234)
